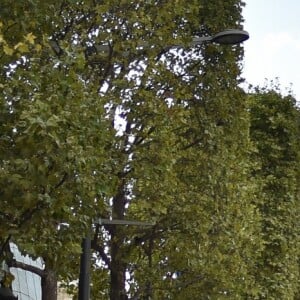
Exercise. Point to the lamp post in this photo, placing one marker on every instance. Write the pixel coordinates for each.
(227, 37)
(84, 276)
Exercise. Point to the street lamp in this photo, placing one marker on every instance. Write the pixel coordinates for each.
(226, 37)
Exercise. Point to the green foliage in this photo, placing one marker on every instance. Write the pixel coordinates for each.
(275, 131)
(54, 137)
(100, 118)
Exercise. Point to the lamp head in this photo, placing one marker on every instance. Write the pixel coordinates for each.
(230, 37)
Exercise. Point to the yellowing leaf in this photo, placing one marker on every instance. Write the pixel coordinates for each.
(7, 50)
(38, 47)
(18, 45)
(30, 38)
(21, 47)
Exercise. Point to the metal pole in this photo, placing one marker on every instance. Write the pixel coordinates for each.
(101, 221)
(84, 276)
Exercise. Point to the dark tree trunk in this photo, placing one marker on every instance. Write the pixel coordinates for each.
(149, 291)
(117, 273)
(117, 265)
(49, 285)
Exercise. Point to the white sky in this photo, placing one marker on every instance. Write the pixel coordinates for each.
(273, 50)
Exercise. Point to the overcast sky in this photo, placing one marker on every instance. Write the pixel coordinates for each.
(273, 50)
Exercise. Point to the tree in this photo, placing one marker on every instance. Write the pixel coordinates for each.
(183, 164)
(137, 131)
(275, 132)
(54, 140)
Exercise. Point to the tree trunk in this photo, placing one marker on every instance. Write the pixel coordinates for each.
(149, 291)
(117, 266)
(117, 271)
(49, 285)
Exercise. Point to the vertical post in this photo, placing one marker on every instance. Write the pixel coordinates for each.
(84, 276)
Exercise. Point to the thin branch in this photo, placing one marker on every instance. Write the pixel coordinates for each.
(102, 253)
(61, 181)
(27, 215)
(4, 245)
(99, 248)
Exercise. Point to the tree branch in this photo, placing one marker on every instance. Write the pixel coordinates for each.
(99, 248)
(102, 253)
(4, 245)
(63, 179)
(17, 264)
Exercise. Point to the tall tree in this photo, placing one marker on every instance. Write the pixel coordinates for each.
(275, 129)
(104, 119)
(183, 159)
